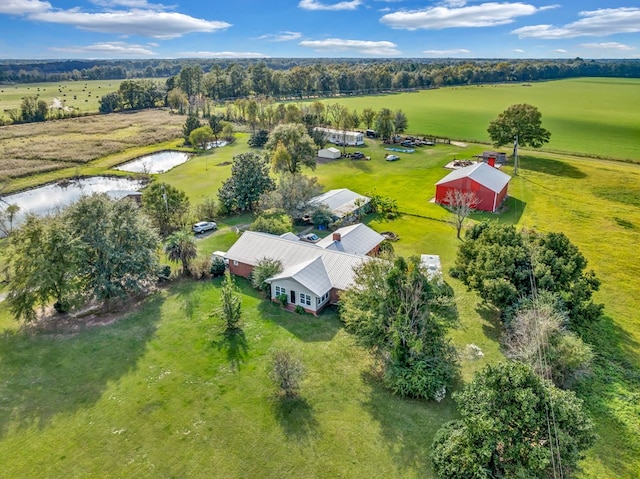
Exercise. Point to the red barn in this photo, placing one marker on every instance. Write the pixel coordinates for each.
(488, 184)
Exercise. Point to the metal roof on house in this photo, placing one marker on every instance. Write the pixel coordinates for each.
(355, 239)
(253, 246)
(486, 175)
(311, 274)
(341, 201)
(290, 236)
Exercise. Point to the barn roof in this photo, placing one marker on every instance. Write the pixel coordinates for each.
(486, 175)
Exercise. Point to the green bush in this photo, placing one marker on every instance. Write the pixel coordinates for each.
(218, 267)
(200, 268)
(299, 309)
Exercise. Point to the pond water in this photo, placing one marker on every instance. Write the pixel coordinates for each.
(49, 198)
(155, 163)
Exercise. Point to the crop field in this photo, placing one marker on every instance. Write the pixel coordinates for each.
(163, 392)
(588, 116)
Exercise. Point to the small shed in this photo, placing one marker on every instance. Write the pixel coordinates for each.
(330, 153)
(493, 158)
(489, 185)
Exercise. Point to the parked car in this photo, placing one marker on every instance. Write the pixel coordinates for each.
(202, 226)
(392, 158)
(311, 237)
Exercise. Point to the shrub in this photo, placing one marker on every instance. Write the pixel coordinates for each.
(164, 272)
(287, 371)
(200, 268)
(283, 299)
(259, 139)
(299, 309)
(265, 269)
(206, 211)
(218, 267)
(275, 222)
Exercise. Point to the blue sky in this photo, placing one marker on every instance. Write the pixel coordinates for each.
(98, 29)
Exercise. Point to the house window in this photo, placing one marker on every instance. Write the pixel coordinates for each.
(305, 299)
(322, 299)
(279, 290)
(235, 262)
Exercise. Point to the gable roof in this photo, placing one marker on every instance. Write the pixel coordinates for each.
(341, 201)
(486, 175)
(356, 239)
(253, 246)
(311, 274)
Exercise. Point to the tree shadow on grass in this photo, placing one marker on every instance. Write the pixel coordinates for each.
(492, 326)
(611, 395)
(296, 418)
(407, 425)
(306, 327)
(234, 342)
(550, 167)
(43, 374)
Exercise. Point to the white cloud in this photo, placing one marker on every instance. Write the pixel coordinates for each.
(23, 7)
(280, 36)
(315, 5)
(109, 49)
(223, 55)
(607, 46)
(381, 48)
(129, 4)
(598, 23)
(442, 53)
(146, 23)
(517, 50)
(559, 50)
(436, 18)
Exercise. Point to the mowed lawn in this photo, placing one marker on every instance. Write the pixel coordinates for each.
(591, 116)
(164, 393)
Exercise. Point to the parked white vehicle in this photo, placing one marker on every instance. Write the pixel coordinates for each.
(202, 226)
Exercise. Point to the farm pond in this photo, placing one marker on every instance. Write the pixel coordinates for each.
(48, 198)
(155, 163)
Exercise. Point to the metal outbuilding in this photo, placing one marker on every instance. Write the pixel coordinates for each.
(488, 183)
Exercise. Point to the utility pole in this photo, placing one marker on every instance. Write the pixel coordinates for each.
(515, 156)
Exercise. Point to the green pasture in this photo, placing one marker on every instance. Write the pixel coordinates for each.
(82, 96)
(164, 393)
(587, 116)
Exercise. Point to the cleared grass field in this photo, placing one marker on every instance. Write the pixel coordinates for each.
(163, 393)
(589, 116)
(82, 96)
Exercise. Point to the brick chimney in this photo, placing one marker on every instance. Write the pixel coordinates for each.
(336, 237)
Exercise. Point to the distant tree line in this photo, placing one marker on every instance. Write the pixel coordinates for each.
(306, 77)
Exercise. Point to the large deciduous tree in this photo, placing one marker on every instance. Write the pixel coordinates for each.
(503, 265)
(522, 121)
(43, 261)
(299, 146)
(384, 123)
(249, 180)
(391, 307)
(118, 246)
(292, 194)
(513, 424)
(98, 249)
(166, 206)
